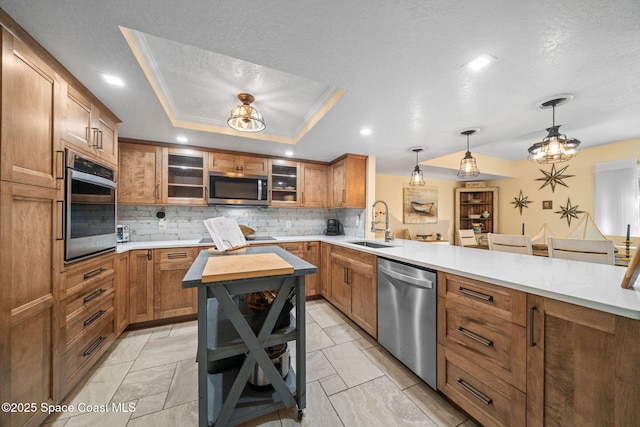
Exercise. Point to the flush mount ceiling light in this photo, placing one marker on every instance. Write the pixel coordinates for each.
(468, 168)
(480, 62)
(244, 117)
(555, 147)
(417, 180)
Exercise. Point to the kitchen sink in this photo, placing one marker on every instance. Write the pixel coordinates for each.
(369, 244)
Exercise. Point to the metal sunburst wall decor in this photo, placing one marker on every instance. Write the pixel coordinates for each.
(521, 202)
(569, 212)
(554, 178)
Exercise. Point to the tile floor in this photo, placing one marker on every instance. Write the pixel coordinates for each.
(351, 381)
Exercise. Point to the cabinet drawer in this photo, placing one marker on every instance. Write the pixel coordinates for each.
(87, 274)
(296, 249)
(83, 354)
(496, 300)
(175, 258)
(487, 398)
(355, 256)
(87, 297)
(495, 344)
(88, 318)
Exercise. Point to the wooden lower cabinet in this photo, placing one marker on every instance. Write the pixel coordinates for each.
(169, 298)
(87, 316)
(155, 284)
(324, 270)
(482, 349)
(354, 286)
(582, 366)
(310, 252)
(140, 285)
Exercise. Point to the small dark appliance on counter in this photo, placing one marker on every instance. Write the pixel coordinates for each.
(334, 228)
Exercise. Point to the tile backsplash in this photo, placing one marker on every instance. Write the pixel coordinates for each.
(185, 222)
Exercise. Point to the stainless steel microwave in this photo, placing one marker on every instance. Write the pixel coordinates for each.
(238, 189)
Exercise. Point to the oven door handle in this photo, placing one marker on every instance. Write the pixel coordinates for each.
(92, 179)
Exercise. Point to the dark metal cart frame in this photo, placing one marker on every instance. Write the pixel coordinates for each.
(225, 331)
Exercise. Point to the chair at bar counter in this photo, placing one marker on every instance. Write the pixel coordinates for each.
(510, 243)
(467, 238)
(598, 251)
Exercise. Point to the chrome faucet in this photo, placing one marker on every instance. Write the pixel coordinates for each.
(387, 231)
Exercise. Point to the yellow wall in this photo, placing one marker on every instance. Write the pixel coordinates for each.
(389, 188)
(579, 189)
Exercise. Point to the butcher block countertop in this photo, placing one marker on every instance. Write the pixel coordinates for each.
(235, 271)
(586, 284)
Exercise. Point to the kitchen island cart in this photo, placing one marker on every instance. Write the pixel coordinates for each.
(232, 338)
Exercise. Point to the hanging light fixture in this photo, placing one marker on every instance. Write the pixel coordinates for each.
(417, 180)
(244, 117)
(555, 147)
(468, 168)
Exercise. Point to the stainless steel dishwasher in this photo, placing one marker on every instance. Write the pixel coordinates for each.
(407, 313)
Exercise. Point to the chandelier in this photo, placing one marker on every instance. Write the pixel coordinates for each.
(245, 117)
(555, 147)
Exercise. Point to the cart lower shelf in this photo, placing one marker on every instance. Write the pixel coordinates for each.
(252, 404)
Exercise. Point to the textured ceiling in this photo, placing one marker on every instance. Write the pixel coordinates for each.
(400, 63)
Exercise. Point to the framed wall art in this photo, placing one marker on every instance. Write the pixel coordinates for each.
(547, 204)
(420, 205)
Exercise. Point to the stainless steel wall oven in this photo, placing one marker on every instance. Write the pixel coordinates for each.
(90, 208)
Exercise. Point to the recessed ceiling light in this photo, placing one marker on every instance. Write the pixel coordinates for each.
(365, 131)
(288, 153)
(480, 62)
(116, 81)
(182, 139)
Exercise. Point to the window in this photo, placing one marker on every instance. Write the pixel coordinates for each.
(617, 197)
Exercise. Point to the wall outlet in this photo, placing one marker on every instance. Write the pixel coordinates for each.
(162, 224)
(287, 225)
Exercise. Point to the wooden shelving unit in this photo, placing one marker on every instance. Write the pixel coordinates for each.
(472, 202)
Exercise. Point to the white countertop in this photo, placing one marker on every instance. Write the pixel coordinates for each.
(582, 283)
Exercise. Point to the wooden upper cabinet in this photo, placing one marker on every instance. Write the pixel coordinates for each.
(225, 162)
(348, 182)
(284, 183)
(313, 183)
(31, 114)
(183, 178)
(139, 174)
(88, 129)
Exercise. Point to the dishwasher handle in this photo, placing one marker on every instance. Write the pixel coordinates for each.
(421, 283)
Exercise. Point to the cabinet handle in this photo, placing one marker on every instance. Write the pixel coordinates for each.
(93, 346)
(291, 248)
(61, 217)
(94, 134)
(149, 255)
(532, 311)
(94, 318)
(101, 135)
(475, 294)
(94, 273)
(475, 393)
(344, 196)
(302, 194)
(177, 255)
(308, 246)
(482, 340)
(157, 191)
(62, 163)
(94, 295)
(345, 275)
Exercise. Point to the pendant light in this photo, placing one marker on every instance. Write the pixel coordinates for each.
(468, 168)
(244, 117)
(417, 180)
(555, 147)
